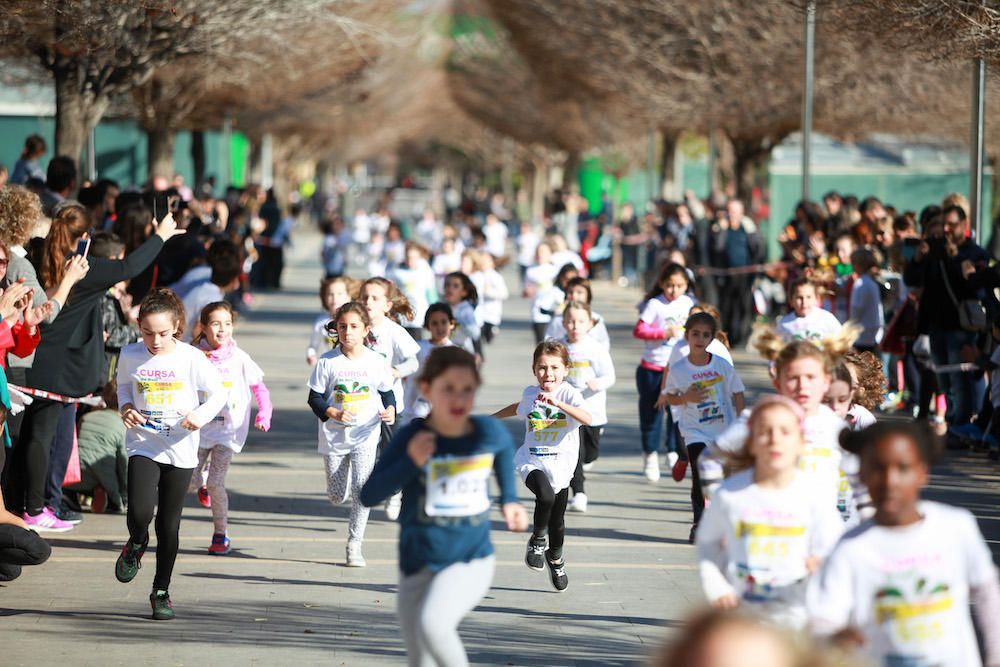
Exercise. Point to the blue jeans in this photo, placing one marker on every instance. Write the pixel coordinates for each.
(958, 387)
(647, 383)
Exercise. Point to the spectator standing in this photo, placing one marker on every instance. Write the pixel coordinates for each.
(737, 245)
(27, 165)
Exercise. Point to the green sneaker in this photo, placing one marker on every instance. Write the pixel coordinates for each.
(128, 563)
(162, 609)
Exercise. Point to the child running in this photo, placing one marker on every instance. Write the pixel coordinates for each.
(160, 384)
(462, 296)
(443, 462)
(351, 392)
(766, 530)
(334, 293)
(592, 373)
(807, 321)
(547, 459)
(709, 395)
(226, 434)
(578, 289)
(385, 305)
(493, 292)
(663, 312)
(899, 586)
(439, 323)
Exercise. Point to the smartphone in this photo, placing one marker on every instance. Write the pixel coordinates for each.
(83, 247)
(910, 249)
(160, 206)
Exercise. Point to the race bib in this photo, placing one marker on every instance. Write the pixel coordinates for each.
(458, 486)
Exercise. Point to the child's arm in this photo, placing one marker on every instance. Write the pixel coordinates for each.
(647, 331)
(604, 368)
(388, 414)
(694, 394)
(710, 549)
(397, 466)
(315, 345)
(210, 382)
(264, 407)
(509, 411)
(573, 411)
(739, 402)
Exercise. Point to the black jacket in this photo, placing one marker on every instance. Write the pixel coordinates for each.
(937, 310)
(70, 358)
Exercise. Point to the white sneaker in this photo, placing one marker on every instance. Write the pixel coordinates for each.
(587, 467)
(672, 458)
(354, 557)
(579, 503)
(651, 467)
(392, 507)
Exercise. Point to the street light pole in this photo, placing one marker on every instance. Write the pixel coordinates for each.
(977, 146)
(807, 95)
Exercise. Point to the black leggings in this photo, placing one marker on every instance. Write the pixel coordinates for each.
(163, 487)
(539, 330)
(590, 442)
(697, 493)
(20, 547)
(550, 511)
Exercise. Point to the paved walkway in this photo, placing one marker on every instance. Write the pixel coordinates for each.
(284, 597)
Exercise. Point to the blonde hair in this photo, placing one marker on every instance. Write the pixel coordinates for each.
(827, 351)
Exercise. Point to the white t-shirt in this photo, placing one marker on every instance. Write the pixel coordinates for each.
(496, 238)
(164, 388)
(564, 257)
(866, 310)
(815, 326)
(320, 341)
(823, 458)
(419, 287)
(906, 589)
(753, 542)
(662, 314)
(352, 385)
(703, 422)
(400, 350)
(542, 279)
(417, 405)
(589, 360)
(445, 263)
(492, 293)
(599, 332)
(859, 417)
(467, 327)
(527, 244)
(552, 438)
(230, 427)
(715, 348)
(196, 299)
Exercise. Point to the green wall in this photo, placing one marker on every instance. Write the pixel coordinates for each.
(121, 150)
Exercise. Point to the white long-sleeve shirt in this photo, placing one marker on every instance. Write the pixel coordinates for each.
(589, 360)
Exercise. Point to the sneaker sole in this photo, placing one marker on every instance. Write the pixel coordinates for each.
(162, 617)
(219, 553)
(355, 564)
(45, 529)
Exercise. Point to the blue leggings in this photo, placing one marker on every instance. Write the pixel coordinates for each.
(647, 382)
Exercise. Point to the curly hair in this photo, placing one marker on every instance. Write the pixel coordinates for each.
(870, 383)
(20, 209)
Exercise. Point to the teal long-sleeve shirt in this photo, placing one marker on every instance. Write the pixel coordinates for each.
(437, 542)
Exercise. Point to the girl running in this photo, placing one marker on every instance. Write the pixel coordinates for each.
(443, 462)
(493, 292)
(709, 395)
(538, 280)
(661, 325)
(226, 434)
(439, 323)
(417, 282)
(462, 296)
(592, 373)
(807, 321)
(899, 586)
(334, 293)
(766, 530)
(351, 392)
(547, 459)
(160, 384)
(578, 289)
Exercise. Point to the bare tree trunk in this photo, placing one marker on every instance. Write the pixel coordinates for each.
(571, 172)
(198, 156)
(507, 173)
(539, 186)
(160, 142)
(750, 157)
(669, 185)
(77, 114)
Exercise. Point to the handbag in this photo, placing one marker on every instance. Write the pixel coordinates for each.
(971, 314)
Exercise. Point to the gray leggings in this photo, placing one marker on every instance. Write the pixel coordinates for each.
(432, 604)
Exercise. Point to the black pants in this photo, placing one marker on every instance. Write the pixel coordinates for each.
(60, 452)
(162, 487)
(735, 306)
(697, 495)
(539, 329)
(416, 333)
(20, 547)
(489, 332)
(29, 474)
(550, 511)
(590, 441)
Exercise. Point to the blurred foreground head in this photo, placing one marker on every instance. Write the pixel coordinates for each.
(730, 639)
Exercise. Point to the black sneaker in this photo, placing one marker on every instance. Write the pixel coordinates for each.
(693, 534)
(128, 563)
(162, 609)
(68, 515)
(534, 556)
(557, 571)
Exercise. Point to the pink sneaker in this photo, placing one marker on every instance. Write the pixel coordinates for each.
(204, 498)
(46, 522)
